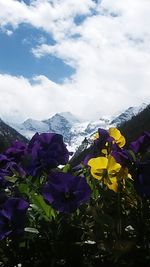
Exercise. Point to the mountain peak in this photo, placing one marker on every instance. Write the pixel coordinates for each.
(32, 125)
(69, 117)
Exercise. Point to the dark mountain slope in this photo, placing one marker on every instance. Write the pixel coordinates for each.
(8, 135)
(134, 127)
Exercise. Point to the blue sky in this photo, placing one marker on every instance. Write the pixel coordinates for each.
(88, 57)
(17, 58)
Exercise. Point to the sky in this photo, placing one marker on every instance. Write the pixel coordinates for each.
(89, 57)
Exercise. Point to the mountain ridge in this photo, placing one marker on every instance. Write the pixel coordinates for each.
(73, 130)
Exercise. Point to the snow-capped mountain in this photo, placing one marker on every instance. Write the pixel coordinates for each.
(59, 124)
(73, 130)
(128, 114)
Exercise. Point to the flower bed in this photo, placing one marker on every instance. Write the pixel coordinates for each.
(91, 214)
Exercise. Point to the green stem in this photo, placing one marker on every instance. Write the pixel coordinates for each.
(119, 210)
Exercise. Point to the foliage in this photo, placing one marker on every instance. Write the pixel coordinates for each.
(96, 213)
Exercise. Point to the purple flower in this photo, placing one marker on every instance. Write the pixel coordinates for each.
(103, 138)
(66, 192)
(142, 179)
(16, 151)
(12, 161)
(8, 167)
(3, 160)
(142, 144)
(12, 217)
(123, 157)
(47, 151)
(99, 144)
(12, 167)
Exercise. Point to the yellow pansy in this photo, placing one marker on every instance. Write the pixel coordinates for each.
(118, 137)
(107, 168)
(95, 136)
(115, 133)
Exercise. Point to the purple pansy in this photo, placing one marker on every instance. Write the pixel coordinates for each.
(12, 167)
(142, 179)
(17, 151)
(47, 151)
(66, 192)
(123, 157)
(98, 145)
(8, 167)
(3, 160)
(3, 172)
(142, 144)
(103, 138)
(12, 161)
(12, 217)
(100, 142)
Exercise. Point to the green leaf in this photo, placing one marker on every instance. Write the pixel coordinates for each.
(132, 154)
(66, 168)
(22, 244)
(11, 179)
(42, 206)
(24, 188)
(31, 230)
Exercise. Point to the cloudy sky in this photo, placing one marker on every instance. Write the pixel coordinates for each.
(85, 56)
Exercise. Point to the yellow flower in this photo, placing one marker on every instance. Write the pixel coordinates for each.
(115, 134)
(118, 137)
(107, 168)
(95, 136)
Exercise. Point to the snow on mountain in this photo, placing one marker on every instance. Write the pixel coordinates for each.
(92, 126)
(128, 114)
(69, 117)
(35, 125)
(63, 123)
(83, 130)
(29, 127)
(59, 124)
(73, 130)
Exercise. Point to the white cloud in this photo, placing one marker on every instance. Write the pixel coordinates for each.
(110, 51)
(111, 64)
(37, 98)
(53, 16)
(7, 31)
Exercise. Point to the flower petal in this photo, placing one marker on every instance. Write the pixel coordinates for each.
(121, 141)
(118, 137)
(113, 166)
(98, 163)
(114, 185)
(114, 132)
